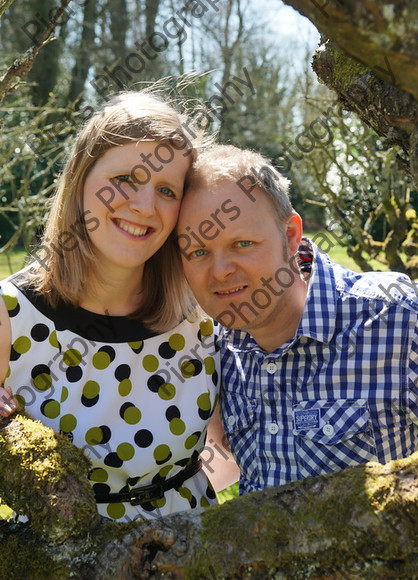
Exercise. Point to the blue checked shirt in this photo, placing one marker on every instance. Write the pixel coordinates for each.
(343, 391)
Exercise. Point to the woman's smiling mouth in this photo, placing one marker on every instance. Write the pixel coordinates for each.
(134, 230)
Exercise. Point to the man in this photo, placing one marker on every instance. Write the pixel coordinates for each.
(320, 364)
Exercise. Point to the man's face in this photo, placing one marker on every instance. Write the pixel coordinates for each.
(235, 256)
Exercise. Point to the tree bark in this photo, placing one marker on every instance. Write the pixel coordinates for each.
(372, 64)
(358, 523)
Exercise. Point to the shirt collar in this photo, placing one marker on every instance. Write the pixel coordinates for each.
(318, 318)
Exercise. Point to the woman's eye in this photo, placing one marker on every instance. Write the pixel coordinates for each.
(124, 178)
(244, 243)
(167, 192)
(198, 253)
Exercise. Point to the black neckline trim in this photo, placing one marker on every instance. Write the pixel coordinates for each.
(89, 325)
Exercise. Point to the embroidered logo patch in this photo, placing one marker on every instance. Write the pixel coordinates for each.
(306, 419)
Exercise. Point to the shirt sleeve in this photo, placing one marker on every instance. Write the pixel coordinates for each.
(413, 379)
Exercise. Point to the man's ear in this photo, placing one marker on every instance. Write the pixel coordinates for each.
(294, 229)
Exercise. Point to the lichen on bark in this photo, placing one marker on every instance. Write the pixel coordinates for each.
(52, 489)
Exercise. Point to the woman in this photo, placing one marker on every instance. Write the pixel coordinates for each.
(99, 341)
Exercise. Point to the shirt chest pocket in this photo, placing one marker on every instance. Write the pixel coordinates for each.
(332, 435)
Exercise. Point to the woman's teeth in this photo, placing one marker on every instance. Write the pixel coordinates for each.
(231, 291)
(131, 229)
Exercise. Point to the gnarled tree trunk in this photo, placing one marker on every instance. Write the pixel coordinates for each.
(357, 523)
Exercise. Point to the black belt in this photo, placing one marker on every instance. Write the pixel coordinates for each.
(148, 493)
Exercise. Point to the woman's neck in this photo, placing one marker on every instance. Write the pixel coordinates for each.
(114, 295)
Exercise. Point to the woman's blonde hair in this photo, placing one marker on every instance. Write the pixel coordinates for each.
(62, 275)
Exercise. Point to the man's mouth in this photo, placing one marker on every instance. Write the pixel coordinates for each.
(231, 291)
(132, 229)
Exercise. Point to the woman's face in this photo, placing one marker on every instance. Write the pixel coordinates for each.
(134, 192)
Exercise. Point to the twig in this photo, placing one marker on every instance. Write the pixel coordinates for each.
(23, 63)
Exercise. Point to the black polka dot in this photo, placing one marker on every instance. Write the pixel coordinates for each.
(148, 507)
(39, 370)
(124, 407)
(122, 372)
(143, 438)
(210, 492)
(39, 332)
(215, 377)
(205, 414)
(14, 312)
(158, 478)
(165, 350)
(182, 462)
(155, 382)
(74, 374)
(107, 434)
(89, 402)
(108, 350)
(101, 488)
(113, 460)
(172, 412)
(14, 355)
(133, 481)
(138, 349)
(193, 502)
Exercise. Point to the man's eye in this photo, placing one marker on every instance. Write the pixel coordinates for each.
(166, 191)
(244, 243)
(124, 178)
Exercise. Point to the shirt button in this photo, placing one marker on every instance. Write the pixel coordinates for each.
(273, 428)
(328, 430)
(231, 420)
(271, 368)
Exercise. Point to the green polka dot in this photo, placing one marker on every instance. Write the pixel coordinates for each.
(99, 475)
(164, 471)
(64, 394)
(187, 369)
(191, 441)
(53, 340)
(150, 363)
(206, 327)
(132, 415)
(177, 426)
(72, 357)
(10, 301)
(116, 510)
(51, 409)
(94, 436)
(185, 492)
(159, 503)
(8, 372)
(42, 382)
(91, 389)
(166, 391)
(125, 451)
(21, 400)
(177, 342)
(22, 344)
(135, 344)
(68, 423)
(209, 365)
(125, 387)
(161, 452)
(101, 360)
(204, 502)
(203, 402)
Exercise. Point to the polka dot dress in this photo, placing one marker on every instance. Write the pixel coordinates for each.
(136, 402)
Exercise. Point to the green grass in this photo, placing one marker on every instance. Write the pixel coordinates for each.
(10, 262)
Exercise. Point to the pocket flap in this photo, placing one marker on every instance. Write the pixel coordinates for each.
(329, 422)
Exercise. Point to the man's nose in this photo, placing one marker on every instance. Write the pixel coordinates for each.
(222, 266)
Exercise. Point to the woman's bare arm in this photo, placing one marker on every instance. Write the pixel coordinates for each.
(8, 403)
